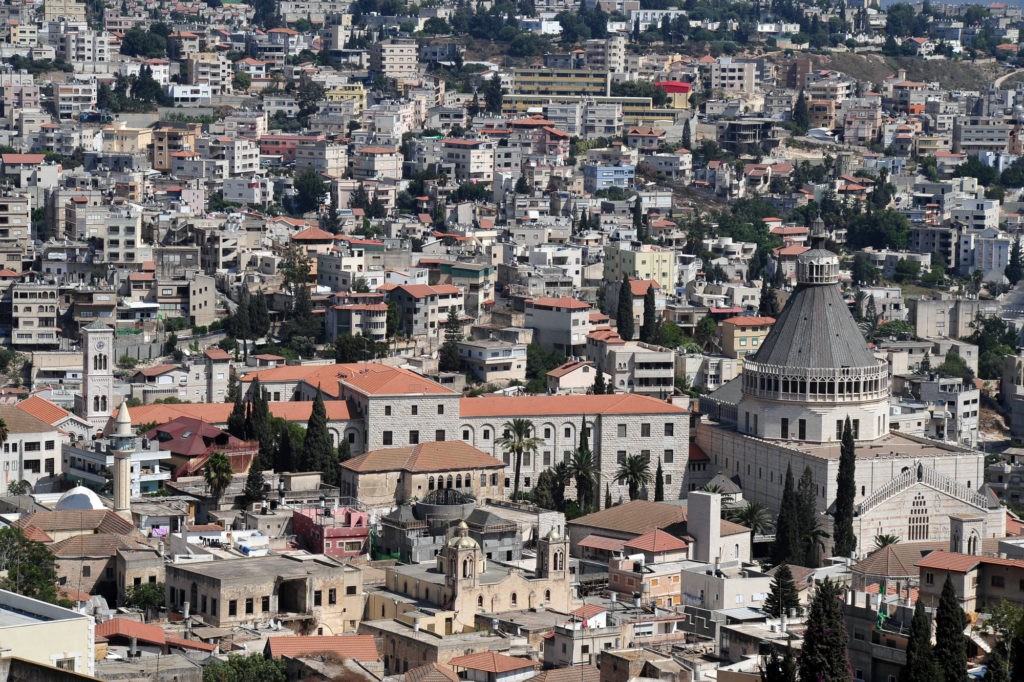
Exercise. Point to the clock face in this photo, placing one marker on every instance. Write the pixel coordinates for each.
(100, 345)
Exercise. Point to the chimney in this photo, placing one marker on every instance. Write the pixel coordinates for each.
(703, 522)
(133, 647)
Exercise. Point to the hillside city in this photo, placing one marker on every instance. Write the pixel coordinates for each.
(511, 341)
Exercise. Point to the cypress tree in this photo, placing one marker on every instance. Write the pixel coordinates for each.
(317, 451)
(769, 304)
(920, 666)
(649, 330)
(783, 594)
(801, 116)
(1014, 270)
(846, 489)
(284, 457)
(997, 670)
(638, 219)
(259, 421)
(787, 527)
(254, 484)
(344, 450)
(624, 312)
(686, 141)
(599, 386)
(659, 484)
(823, 655)
(607, 496)
(260, 317)
(236, 420)
(780, 669)
(234, 393)
(806, 516)
(950, 644)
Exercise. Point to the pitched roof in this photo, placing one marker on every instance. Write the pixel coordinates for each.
(23, 158)
(20, 421)
(949, 561)
(431, 672)
(358, 647)
(217, 354)
(312, 234)
(657, 541)
(568, 367)
(149, 634)
(157, 370)
(433, 456)
(192, 437)
(67, 520)
(218, 413)
(602, 542)
(587, 611)
(639, 287)
(892, 560)
(492, 662)
(636, 517)
(749, 321)
(524, 406)
(562, 302)
(43, 409)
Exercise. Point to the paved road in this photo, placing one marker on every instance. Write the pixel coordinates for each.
(999, 81)
(1013, 302)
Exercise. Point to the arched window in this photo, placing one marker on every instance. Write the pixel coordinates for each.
(736, 551)
(547, 595)
(558, 562)
(104, 403)
(483, 480)
(458, 480)
(918, 525)
(480, 602)
(449, 480)
(430, 483)
(515, 599)
(465, 568)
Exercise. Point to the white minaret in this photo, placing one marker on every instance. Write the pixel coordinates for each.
(122, 442)
(97, 374)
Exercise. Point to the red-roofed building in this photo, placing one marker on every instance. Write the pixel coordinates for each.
(978, 580)
(360, 648)
(490, 666)
(575, 376)
(423, 309)
(191, 442)
(561, 324)
(743, 335)
(340, 532)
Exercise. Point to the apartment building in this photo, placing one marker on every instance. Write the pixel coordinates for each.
(18, 96)
(35, 313)
(493, 360)
(396, 58)
(15, 221)
(561, 82)
(118, 138)
(74, 98)
(212, 69)
(123, 244)
(84, 49)
(53, 638)
(597, 177)
(730, 75)
(322, 157)
(423, 309)
(32, 450)
(170, 138)
(973, 135)
(357, 319)
(987, 250)
(559, 324)
(377, 163)
(640, 261)
(64, 10)
(633, 367)
(743, 335)
(473, 160)
(240, 155)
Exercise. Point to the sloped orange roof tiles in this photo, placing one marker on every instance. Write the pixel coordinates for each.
(358, 647)
(657, 541)
(435, 456)
(491, 662)
(43, 409)
(523, 406)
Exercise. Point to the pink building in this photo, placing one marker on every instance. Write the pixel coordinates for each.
(338, 532)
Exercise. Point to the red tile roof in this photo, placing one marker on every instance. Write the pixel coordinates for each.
(358, 647)
(602, 542)
(749, 321)
(434, 456)
(312, 234)
(43, 409)
(562, 302)
(149, 634)
(587, 611)
(217, 354)
(573, 405)
(491, 662)
(657, 541)
(22, 158)
(639, 287)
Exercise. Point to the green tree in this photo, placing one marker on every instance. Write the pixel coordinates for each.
(811, 534)
(449, 355)
(787, 525)
(823, 654)
(801, 116)
(607, 496)
(317, 449)
(584, 473)
(782, 595)
(753, 515)
(344, 450)
(649, 331)
(1014, 269)
(146, 596)
(997, 669)
(217, 473)
(16, 488)
(686, 139)
(884, 540)
(236, 420)
(659, 483)
(769, 303)
(494, 94)
(780, 669)
(309, 191)
(950, 643)
(250, 668)
(255, 485)
(706, 332)
(599, 387)
(635, 472)
(241, 81)
(518, 439)
(234, 392)
(394, 320)
(846, 490)
(955, 366)
(920, 666)
(624, 312)
(30, 567)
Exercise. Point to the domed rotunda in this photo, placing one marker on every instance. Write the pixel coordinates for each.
(814, 368)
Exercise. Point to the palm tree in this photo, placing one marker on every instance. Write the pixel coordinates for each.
(752, 515)
(518, 439)
(562, 476)
(886, 540)
(584, 471)
(217, 473)
(713, 488)
(635, 471)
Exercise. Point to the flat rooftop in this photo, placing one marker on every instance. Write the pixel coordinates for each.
(429, 573)
(266, 567)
